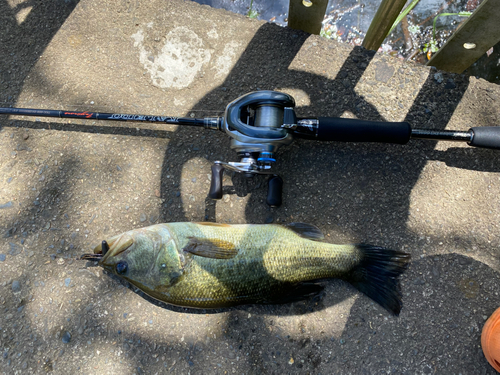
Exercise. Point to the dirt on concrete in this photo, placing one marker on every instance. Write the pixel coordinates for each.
(66, 185)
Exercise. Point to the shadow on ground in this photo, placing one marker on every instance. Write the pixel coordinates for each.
(355, 192)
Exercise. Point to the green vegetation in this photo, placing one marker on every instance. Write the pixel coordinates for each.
(432, 45)
(403, 14)
(252, 14)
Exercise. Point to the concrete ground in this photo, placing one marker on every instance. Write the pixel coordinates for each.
(66, 185)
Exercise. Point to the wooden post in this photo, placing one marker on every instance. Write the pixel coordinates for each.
(471, 40)
(386, 14)
(307, 15)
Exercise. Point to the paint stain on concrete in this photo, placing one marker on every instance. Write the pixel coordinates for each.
(178, 62)
(225, 62)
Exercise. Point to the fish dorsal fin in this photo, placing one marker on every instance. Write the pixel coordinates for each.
(211, 248)
(308, 231)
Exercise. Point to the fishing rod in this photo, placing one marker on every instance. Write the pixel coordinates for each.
(260, 122)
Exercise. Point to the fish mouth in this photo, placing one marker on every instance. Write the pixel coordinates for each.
(107, 249)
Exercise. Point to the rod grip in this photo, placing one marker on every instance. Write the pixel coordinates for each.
(486, 137)
(354, 130)
(216, 182)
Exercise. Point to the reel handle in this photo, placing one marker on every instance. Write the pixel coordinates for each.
(274, 191)
(216, 182)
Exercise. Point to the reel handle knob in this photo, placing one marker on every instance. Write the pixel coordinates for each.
(216, 183)
(274, 191)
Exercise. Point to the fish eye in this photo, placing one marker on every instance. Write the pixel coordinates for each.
(121, 267)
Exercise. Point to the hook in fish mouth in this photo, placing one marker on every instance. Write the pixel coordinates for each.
(97, 257)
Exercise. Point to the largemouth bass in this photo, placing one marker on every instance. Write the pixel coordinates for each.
(208, 265)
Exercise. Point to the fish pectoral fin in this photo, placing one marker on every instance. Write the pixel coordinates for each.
(308, 231)
(211, 248)
(296, 293)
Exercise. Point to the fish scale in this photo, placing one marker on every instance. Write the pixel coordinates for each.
(208, 265)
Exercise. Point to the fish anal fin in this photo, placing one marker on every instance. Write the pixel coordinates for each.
(308, 231)
(211, 248)
(296, 293)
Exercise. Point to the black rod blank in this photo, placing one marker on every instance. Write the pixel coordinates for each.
(442, 135)
(102, 116)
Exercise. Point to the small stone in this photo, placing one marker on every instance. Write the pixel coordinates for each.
(67, 282)
(14, 249)
(2, 257)
(269, 220)
(66, 338)
(26, 136)
(193, 179)
(465, 261)
(16, 286)
(418, 281)
(450, 84)
(7, 205)
(142, 218)
(438, 77)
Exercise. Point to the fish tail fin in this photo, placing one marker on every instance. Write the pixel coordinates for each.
(377, 275)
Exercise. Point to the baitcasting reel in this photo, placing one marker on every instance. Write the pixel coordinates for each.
(260, 122)
(258, 125)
